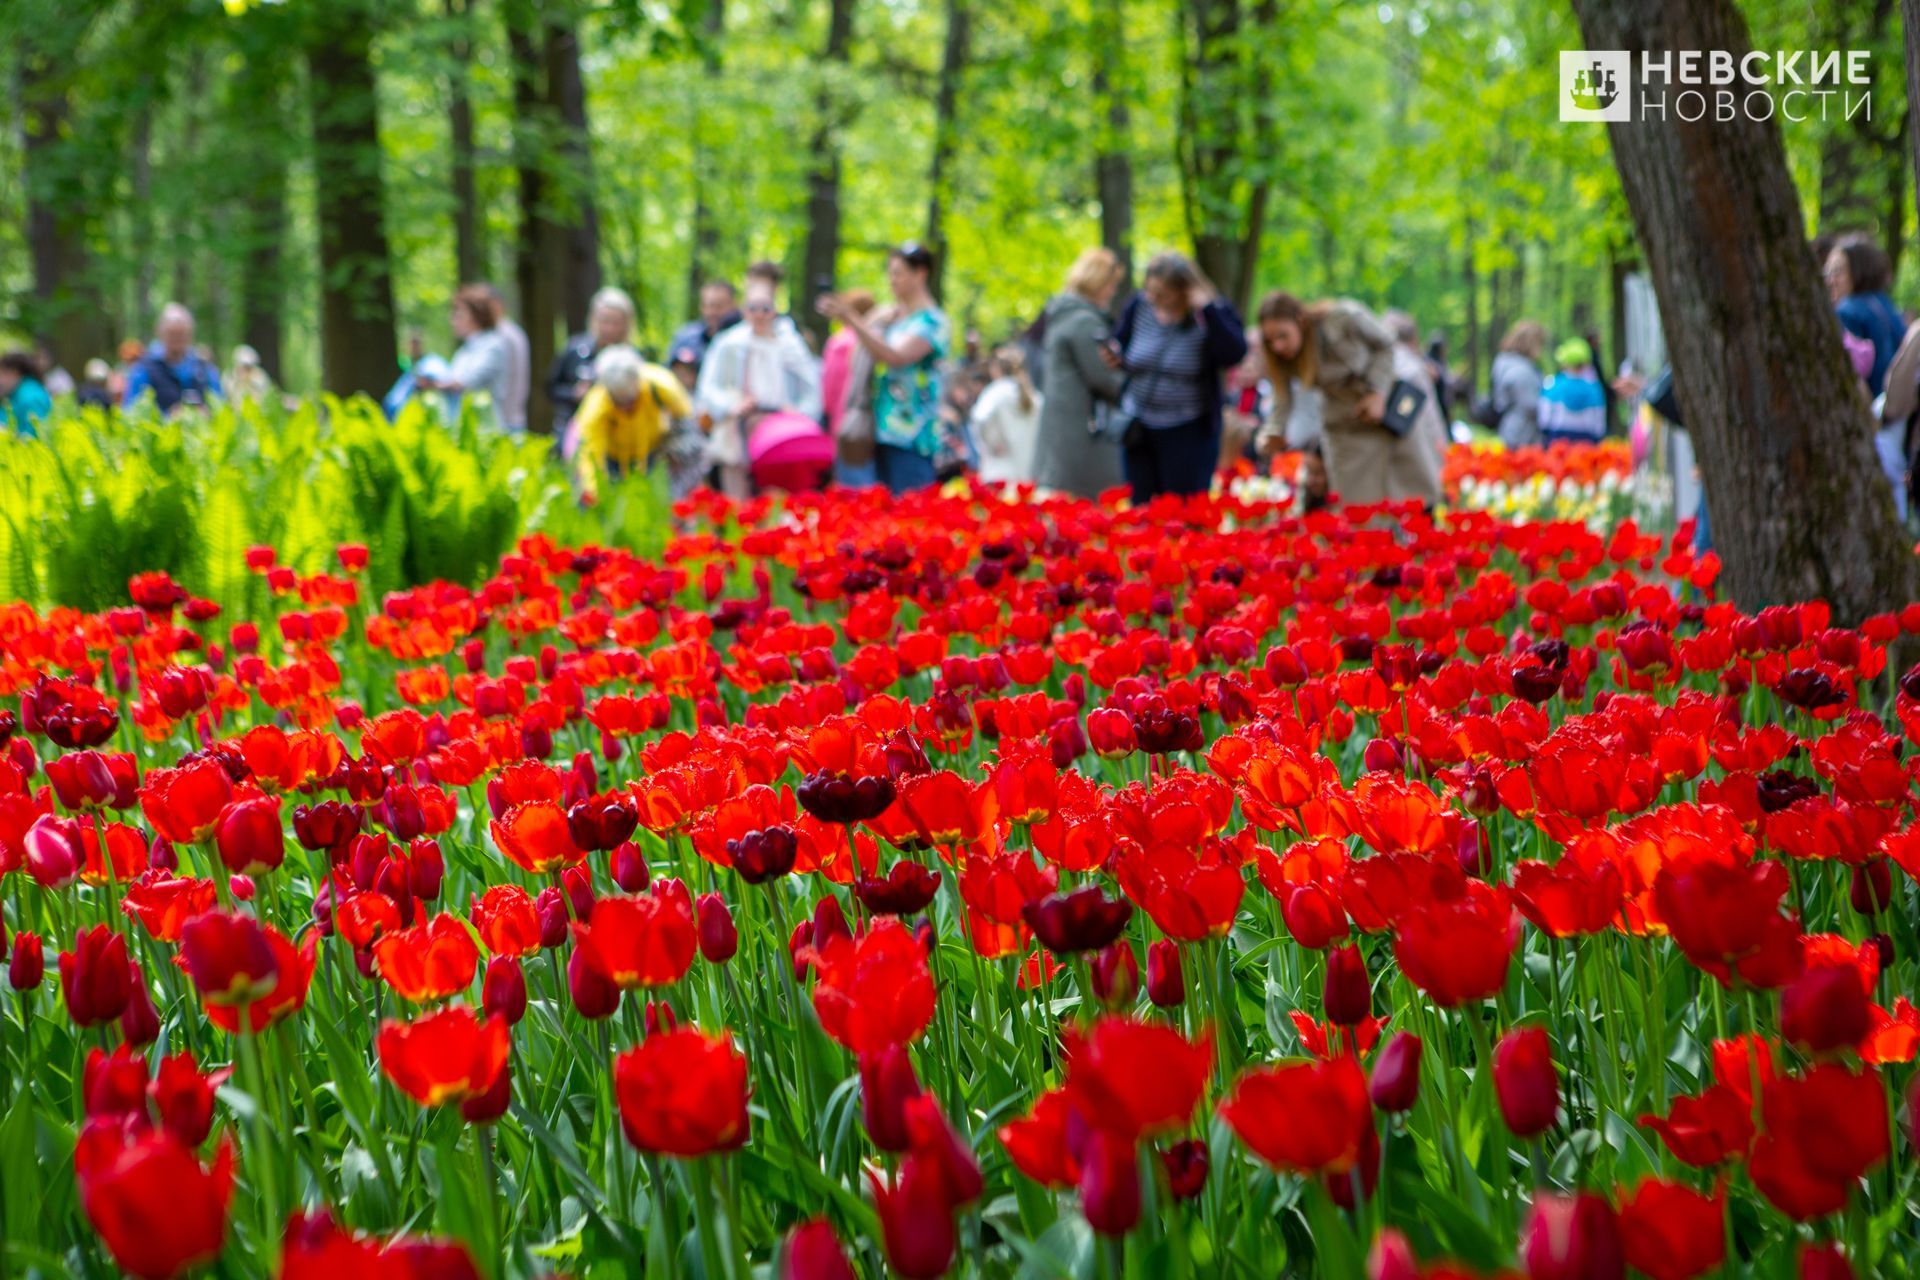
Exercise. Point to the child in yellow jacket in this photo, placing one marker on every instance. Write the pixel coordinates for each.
(625, 416)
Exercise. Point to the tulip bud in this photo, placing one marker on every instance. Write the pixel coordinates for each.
(1383, 755)
(1572, 1238)
(1186, 1163)
(718, 937)
(1395, 1085)
(812, 1253)
(829, 922)
(887, 1084)
(1166, 984)
(139, 1022)
(800, 940)
(1348, 992)
(29, 963)
(1525, 1081)
(161, 854)
(763, 855)
(552, 910)
(1872, 889)
(426, 868)
(503, 992)
(1110, 1182)
(659, 1017)
(628, 867)
(594, 996)
(54, 851)
(1392, 1258)
(95, 976)
(1115, 975)
(1340, 1188)
(1825, 1009)
(249, 835)
(241, 887)
(1825, 1261)
(485, 1108)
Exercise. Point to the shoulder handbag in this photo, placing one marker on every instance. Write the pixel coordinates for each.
(854, 443)
(1404, 402)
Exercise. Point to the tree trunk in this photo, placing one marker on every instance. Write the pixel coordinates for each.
(469, 253)
(142, 217)
(1801, 509)
(257, 96)
(1113, 164)
(705, 247)
(821, 260)
(1228, 136)
(1470, 279)
(356, 269)
(66, 310)
(580, 230)
(536, 248)
(946, 135)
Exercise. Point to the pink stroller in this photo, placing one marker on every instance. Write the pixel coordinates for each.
(790, 452)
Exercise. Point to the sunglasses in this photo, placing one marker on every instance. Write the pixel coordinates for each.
(759, 308)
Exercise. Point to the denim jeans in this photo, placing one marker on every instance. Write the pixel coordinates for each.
(902, 470)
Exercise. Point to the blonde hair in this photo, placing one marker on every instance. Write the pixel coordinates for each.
(618, 369)
(1093, 271)
(1011, 362)
(1526, 338)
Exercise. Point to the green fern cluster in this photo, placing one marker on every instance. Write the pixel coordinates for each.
(101, 496)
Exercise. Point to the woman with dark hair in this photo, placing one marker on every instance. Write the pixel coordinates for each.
(907, 342)
(1858, 276)
(1176, 340)
(1343, 350)
(24, 402)
(480, 364)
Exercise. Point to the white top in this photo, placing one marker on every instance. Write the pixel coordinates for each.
(1004, 434)
(480, 367)
(778, 371)
(519, 380)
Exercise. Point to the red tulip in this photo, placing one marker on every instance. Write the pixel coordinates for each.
(163, 902)
(646, 941)
(430, 961)
(508, 922)
(1186, 1163)
(1082, 920)
(1672, 1232)
(906, 889)
(874, 991)
(812, 1253)
(719, 940)
(1306, 1118)
(288, 995)
(1572, 1238)
(95, 976)
(594, 997)
(158, 1210)
(536, 836)
(1110, 1182)
(1137, 1079)
(1395, 1084)
(1458, 950)
(184, 1096)
(249, 836)
(503, 991)
(1166, 983)
(139, 1021)
(185, 804)
(916, 1222)
(1820, 1133)
(1525, 1081)
(1705, 1129)
(1824, 1262)
(1115, 975)
(1825, 1009)
(1347, 991)
(28, 963)
(682, 1093)
(887, 1085)
(443, 1057)
(628, 868)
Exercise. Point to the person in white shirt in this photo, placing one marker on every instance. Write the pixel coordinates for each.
(518, 384)
(479, 366)
(1006, 421)
(759, 367)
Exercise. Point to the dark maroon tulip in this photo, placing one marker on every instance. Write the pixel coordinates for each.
(1779, 789)
(139, 1021)
(829, 922)
(760, 856)
(594, 996)
(1809, 689)
(1348, 991)
(426, 868)
(835, 797)
(504, 989)
(1082, 920)
(1186, 1163)
(327, 825)
(1395, 1085)
(1525, 1081)
(95, 976)
(485, 1108)
(719, 939)
(906, 889)
(551, 908)
(1115, 974)
(1166, 983)
(1340, 1185)
(1872, 889)
(1110, 1182)
(1161, 730)
(887, 1084)
(1535, 683)
(602, 822)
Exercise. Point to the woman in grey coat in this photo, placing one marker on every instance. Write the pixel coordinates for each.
(1516, 384)
(1069, 458)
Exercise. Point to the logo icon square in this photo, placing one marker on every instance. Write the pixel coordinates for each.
(1596, 84)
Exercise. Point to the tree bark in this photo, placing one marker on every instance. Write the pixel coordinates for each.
(1227, 136)
(66, 310)
(537, 243)
(469, 253)
(1910, 32)
(706, 232)
(1800, 507)
(356, 269)
(580, 228)
(946, 135)
(257, 96)
(821, 259)
(1113, 163)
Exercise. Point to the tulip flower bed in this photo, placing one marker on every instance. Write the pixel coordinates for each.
(941, 886)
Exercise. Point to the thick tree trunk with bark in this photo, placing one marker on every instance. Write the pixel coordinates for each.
(469, 253)
(580, 228)
(1801, 509)
(536, 249)
(66, 308)
(257, 94)
(1113, 162)
(946, 134)
(1227, 136)
(356, 270)
(1910, 32)
(706, 232)
(821, 259)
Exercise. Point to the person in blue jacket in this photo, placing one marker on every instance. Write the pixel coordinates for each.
(1858, 275)
(1175, 341)
(170, 370)
(24, 402)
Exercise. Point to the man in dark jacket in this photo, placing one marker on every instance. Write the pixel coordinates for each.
(718, 311)
(609, 323)
(170, 369)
